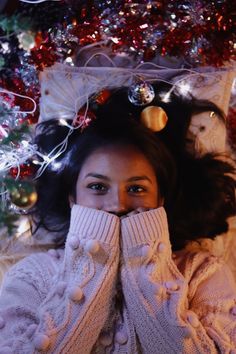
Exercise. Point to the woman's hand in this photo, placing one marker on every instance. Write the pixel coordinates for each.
(135, 211)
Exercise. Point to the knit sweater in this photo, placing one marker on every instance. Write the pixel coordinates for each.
(118, 288)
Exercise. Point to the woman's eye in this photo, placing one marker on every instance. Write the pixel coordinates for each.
(99, 187)
(136, 189)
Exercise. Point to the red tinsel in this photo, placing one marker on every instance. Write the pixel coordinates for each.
(45, 54)
(16, 85)
(25, 171)
(201, 32)
(83, 118)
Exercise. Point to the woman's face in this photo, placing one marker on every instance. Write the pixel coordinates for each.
(118, 180)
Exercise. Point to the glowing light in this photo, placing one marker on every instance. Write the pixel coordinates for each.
(69, 60)
(36, 162)
(165, 97)
(25, 143)
(115, 40)
(23, 226)
(234, 87)
(3, 131)
(46, 158)
(63, 122)
(145, 25)
(55, 166)
(5, 47)
(184, 88)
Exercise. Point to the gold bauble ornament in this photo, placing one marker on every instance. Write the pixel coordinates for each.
(23, 195)
(154, 118)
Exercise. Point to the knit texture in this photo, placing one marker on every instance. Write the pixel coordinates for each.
(118, 288)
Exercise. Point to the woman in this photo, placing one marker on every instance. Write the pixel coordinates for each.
(118, 282)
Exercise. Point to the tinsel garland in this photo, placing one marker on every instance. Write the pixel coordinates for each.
(33, 36)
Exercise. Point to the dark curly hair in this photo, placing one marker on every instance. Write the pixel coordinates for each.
(199, 192)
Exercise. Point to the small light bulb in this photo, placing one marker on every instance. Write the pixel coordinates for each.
(145, 25)
(184, 88)
(25, 143)
(234, 87)
(69, 60)
(165, 97)
(36, 162)
(23, 226)
(46, 158)
(3, 131)
(63, 122)
(55, 166)
(115, 40)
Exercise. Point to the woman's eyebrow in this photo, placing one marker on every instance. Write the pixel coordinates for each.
(139, 178)
(131, 179)
(97, 175)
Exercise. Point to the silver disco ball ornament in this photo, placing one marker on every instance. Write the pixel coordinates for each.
(141, 93)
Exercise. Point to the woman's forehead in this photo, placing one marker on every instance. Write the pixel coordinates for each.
(117, 159)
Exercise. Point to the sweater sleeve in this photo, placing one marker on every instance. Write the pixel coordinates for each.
(61, 307)
(174, 311)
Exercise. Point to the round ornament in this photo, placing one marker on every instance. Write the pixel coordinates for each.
(23, 195)
(154, 118)
(102, 96)
(141, 94)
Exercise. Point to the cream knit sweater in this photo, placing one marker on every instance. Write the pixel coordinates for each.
(118, 288)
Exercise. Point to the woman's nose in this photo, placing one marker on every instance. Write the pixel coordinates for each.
(118, 203)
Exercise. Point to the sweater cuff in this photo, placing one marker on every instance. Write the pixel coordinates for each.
(145, 227)
(88, 223)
